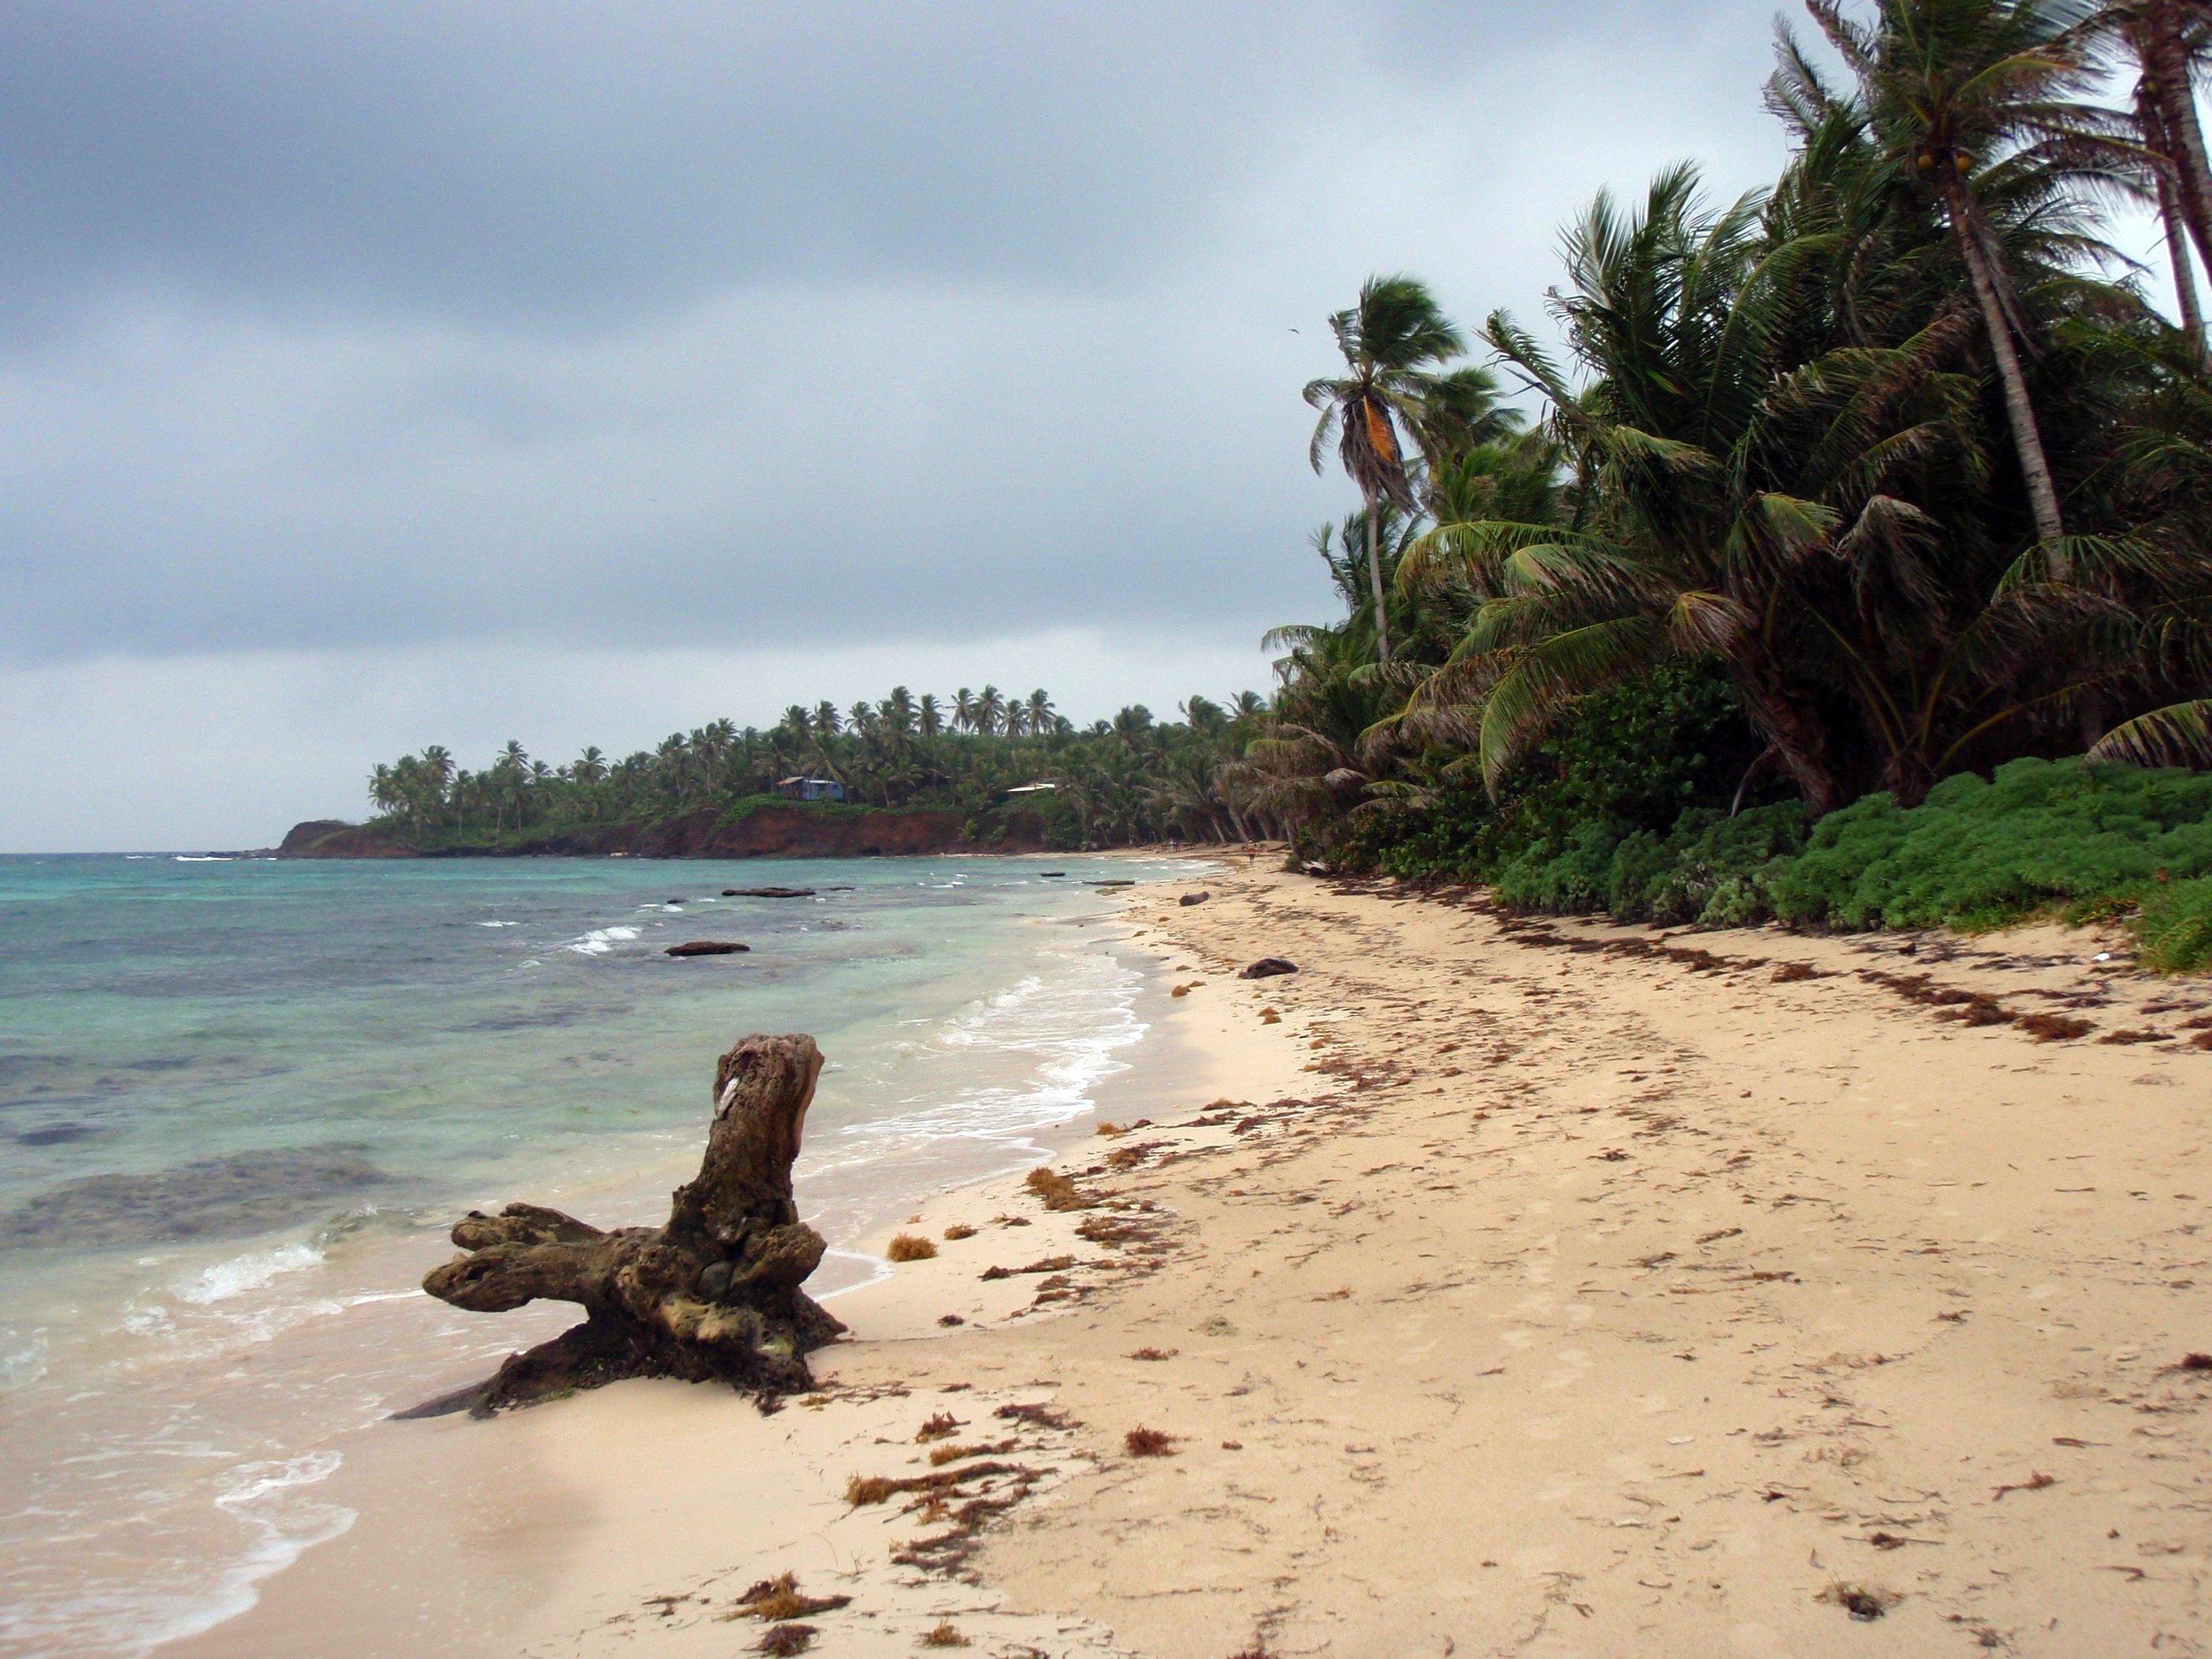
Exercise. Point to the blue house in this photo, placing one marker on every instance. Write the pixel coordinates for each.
(811, 789)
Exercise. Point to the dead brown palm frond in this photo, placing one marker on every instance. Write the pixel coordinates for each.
(2179, 734)
(1394, 341)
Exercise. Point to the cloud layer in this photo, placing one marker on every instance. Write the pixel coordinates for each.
(424, 334)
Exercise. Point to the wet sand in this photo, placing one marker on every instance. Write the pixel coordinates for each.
(1558, 1291)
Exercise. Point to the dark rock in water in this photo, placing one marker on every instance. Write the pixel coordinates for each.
(1193, 898)
(59, 1135)
(523, 1020)
(1109, 884)
(768, 892)
(220, 1197)
(1268, 968)
(1050, 875)
(708, 947)
(674, 901)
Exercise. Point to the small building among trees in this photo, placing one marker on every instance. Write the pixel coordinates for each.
(810, 789)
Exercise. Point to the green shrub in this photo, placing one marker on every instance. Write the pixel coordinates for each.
(1568, 876)
(1631, 759)
(2174, 932)
(2041, 836)
(1622, 812)
(1711, 869)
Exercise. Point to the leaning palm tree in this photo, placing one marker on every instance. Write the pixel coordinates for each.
(2168, 42)
(1394, 341)
(1960, 93)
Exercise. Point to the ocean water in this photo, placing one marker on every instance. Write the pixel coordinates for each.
(240, 1102)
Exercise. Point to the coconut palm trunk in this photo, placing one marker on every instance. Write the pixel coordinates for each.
(2185, 269)
(2159, 136)
(1792, 729)
(2166, 69)
(1375, 577)
(2020, 412)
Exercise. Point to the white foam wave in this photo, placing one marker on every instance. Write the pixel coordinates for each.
(267, 1497)
(202, 858)
(499, 924)
(876, 1271)
(241, 1274)
(20, 1367)
(600, 940)
(1025, 1059)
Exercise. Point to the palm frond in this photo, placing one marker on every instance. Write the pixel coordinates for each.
(2179, 734)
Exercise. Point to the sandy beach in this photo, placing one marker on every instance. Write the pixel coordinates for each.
(1491, 1287)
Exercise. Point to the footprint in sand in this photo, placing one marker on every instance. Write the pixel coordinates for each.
(1574, 1366)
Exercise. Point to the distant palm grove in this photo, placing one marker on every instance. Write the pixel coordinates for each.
(1128, 779)
(1884, 485)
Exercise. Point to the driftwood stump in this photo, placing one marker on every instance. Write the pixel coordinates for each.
(713, 1296)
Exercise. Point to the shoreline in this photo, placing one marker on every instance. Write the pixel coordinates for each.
(437, 1501)
(182, 1410)
(1563, 1289)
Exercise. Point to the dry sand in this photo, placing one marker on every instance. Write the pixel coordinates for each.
(1556, 1292)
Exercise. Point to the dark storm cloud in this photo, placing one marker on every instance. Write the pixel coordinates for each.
(331, 325)
(513, 159)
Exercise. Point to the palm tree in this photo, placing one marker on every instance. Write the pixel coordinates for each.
(930, 716)
(2168, 41)
(963, 710)
(1134, 724)
(1041, 711)
(1352, 549)
(1958, 94)
(989, 707)
(827, 721)
(1394, 341)
(897, 714)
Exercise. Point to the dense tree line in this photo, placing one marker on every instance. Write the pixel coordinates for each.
(1892, 472)
(1131, 779)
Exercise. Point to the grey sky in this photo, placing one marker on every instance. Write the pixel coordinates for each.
(365, 370)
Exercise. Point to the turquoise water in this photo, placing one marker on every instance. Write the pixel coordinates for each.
(240, 1102)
